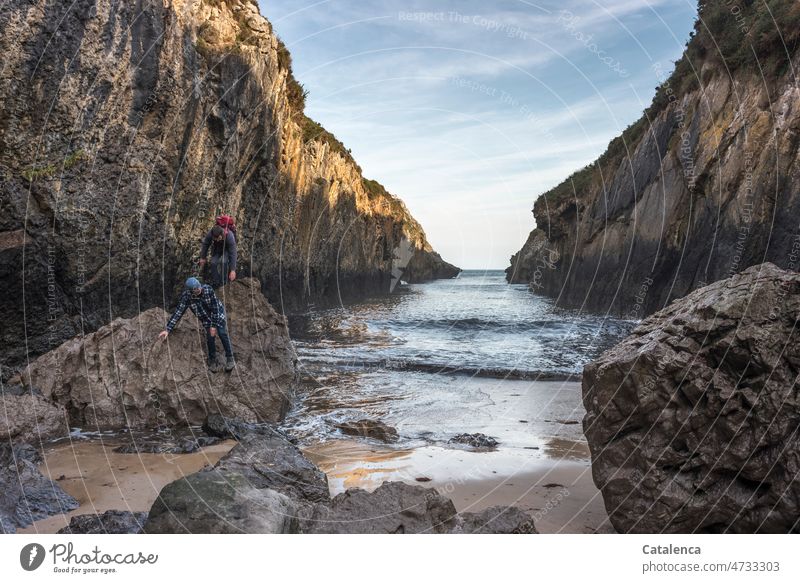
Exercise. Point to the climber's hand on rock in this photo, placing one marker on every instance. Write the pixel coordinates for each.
(232, 275)
(201, 263)
(212, 331)
(163, 335)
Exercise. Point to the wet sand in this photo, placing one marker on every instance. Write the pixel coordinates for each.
(541, 465)
(103, 480)
(553, 484)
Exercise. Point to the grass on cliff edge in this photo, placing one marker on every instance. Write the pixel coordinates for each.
(751, 37)
(34, 172)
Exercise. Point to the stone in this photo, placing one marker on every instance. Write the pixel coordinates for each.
(109, 522)
(265, 484)
(123, 376)
(692, 419)
(271, 461)
(228, 428)
(220, 502)
(27, 416)
(393, 508)
(496, 520)
(180, 446)
(475, 440)
(369, 428)
(25, 494)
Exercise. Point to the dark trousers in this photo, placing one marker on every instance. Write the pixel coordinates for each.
(219, 270)
(212, 345)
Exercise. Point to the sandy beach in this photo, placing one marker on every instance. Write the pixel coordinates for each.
(556, 488)
(103, 480)
(541, 464)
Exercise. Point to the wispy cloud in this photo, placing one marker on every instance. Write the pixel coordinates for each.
(468, 110)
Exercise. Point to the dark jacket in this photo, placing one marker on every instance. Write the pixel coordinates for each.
(207, 307)
(227, 245)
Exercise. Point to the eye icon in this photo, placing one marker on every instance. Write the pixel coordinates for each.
(31, 556)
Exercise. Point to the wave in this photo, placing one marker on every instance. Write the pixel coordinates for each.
(509, 326)
(438, 368)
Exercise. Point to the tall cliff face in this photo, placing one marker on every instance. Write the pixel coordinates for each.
(126, 126)
(704, 185)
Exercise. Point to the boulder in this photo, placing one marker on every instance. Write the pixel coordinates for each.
(265, 484)
(496, 520)
(220, 502)
(475, 440)
(271, 461)
(221, 427)
(27, 416)
(369, 428)
(124, 376)
(109, 522)
(25, 494)
(692, 420)
(168, 446)
(393, 508)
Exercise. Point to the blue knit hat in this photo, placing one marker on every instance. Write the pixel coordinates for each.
(192, 283)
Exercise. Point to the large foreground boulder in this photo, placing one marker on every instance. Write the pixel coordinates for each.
(266, 485)
(25, 494)
(123, 376)
(694, 420)
(220, 502)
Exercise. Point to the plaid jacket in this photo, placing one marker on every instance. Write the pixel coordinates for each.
(207, 307)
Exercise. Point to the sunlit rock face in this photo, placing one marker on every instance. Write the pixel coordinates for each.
(126, 127)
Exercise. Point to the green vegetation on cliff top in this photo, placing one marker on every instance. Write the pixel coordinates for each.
(750, 37)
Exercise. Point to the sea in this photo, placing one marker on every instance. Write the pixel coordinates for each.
(446, 357)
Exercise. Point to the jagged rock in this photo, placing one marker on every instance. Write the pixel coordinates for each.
(220, 502)
(109, 522)
(109, 220)
(369, 428)
(476, 440)
(26, 416)
(702, 186)
(496, 520)
(426, 265)
(25, 494)
(692, 420)
(265, 484)
(271, 461)
(393, 508)
(123, 376)
(184, 445)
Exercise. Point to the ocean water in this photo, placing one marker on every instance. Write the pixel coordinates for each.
(460, 355)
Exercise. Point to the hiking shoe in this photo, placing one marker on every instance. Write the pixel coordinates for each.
(213, 365)
(229, 364)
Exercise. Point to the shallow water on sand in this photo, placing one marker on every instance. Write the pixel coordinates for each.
(446, 357)
(434, 360)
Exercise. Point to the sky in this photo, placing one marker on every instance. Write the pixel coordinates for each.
(469, 110)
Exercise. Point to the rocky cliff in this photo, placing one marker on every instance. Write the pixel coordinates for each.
(703, 186)
(693, 420)
(126, 126)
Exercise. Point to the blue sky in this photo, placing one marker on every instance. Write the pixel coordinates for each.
(468, 110)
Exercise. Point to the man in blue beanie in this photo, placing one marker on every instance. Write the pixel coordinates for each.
(204, 303)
